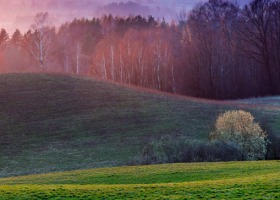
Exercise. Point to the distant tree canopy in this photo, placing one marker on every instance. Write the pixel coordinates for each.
(4, 37)
(217, 50)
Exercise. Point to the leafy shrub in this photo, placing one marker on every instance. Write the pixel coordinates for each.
(169, 149)
(273, 145)
(239, 128)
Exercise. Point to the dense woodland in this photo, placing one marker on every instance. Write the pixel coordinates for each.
(217, 50)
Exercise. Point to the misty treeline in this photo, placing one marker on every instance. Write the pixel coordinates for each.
(216, 50)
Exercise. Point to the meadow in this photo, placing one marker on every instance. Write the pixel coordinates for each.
(56, 122)
(75, 135)
(225, 180)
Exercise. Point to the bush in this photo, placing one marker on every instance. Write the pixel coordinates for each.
(239, 129)
(181, 149)
(273, 138)
(273, 148)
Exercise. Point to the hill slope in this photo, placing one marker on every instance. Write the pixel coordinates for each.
(56, 122)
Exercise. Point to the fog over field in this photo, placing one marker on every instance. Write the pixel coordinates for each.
(19, 13)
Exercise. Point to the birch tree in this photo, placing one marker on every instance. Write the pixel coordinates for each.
(41, 40)
(64, 41)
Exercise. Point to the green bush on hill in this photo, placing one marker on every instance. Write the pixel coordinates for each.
(273, 145)
(169, 149)
(236, 137)
(239, 128)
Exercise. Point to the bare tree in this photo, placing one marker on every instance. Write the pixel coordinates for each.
(257, 17)
(64, 47)
(39, 47)
(274, 36)
(208, 37)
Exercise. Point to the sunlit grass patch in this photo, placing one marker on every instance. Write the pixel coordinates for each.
(267, 187)
(230, 180)
(165, 173)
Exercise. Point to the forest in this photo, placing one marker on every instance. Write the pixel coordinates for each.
(217, 50)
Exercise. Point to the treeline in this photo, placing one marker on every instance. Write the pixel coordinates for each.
(217, 50)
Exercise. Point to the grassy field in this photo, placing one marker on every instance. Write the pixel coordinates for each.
(231, 180)
(56, 123)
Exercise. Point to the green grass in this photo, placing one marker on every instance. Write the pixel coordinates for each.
(56, 123)
(231, 180)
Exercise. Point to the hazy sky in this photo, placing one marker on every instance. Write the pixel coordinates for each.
(19, 13)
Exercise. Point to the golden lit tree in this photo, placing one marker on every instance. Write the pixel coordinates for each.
(238, 127)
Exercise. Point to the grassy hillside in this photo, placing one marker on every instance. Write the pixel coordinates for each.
(232, 180)
(56, 123)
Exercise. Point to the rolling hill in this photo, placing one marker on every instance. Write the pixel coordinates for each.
(57, 122)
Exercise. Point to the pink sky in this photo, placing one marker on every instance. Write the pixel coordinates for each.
(19, 13)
